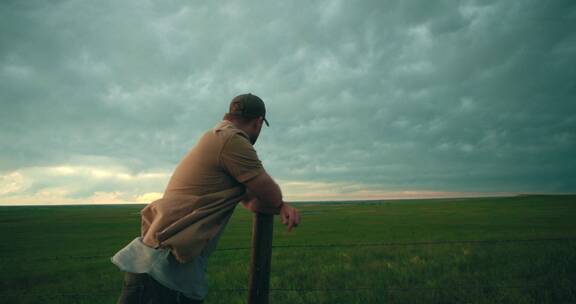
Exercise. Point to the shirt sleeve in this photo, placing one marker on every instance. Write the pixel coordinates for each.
(239, 159)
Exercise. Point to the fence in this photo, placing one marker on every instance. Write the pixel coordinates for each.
(258, 288)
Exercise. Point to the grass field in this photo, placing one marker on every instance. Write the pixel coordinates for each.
(417, 253)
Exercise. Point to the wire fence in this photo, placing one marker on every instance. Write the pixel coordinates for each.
(336, 245)
(114, 292)
(383, 290)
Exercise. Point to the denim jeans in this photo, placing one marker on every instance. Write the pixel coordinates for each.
(140, 288)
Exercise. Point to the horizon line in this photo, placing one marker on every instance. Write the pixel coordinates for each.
(491, 195)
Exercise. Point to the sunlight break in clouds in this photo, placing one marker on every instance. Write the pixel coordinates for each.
(80, 185)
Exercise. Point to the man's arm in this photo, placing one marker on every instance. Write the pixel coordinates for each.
(239, 159)
(252, 203)
(266, 194)
(265, 189)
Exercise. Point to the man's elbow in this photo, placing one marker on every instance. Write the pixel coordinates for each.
(257, 206)
(265, 189)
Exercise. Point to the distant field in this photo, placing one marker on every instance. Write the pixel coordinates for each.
(485, 250)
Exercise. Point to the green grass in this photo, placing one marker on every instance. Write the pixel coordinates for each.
(61, 254)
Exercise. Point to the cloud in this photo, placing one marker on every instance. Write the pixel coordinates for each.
(342, 191)
(12, 183)
(80, 184)
(472, 96)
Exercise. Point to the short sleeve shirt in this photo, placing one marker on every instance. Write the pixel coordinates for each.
(239, 159)
(222, 159)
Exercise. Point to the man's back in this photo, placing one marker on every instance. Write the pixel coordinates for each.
(202, 193)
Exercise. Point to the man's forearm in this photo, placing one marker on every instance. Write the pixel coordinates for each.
(265, 189)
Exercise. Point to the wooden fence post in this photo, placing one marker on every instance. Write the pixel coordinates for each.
(259, 277)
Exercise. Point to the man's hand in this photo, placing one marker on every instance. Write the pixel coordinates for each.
(289, 216)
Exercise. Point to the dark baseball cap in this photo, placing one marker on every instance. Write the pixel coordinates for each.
(248, 105)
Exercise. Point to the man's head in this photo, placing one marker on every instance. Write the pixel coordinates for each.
(248, 113)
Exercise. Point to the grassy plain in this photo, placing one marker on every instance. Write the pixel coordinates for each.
(417, 254)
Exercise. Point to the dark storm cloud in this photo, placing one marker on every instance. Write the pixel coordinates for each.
(394, 95)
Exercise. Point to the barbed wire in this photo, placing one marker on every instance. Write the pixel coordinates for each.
(421, 288)
(438, 242)
(334, 245)
(115, 292)
(387, 290)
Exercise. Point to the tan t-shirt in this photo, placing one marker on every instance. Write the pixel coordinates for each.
(202, 192)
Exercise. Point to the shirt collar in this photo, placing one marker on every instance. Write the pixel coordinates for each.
(226, 124)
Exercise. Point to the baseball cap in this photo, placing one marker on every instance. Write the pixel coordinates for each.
(248, 105)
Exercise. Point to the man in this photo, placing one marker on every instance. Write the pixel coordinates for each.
(168, 262)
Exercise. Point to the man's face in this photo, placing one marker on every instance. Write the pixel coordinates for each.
(255, 130)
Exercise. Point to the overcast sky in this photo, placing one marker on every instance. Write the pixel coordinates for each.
(366, 99)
